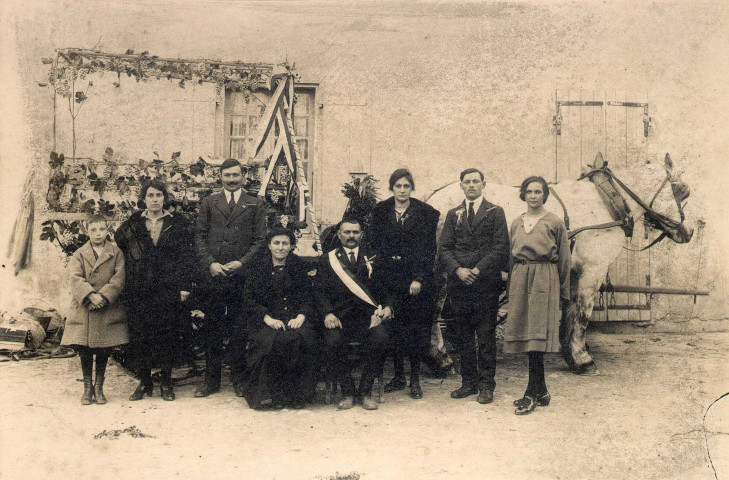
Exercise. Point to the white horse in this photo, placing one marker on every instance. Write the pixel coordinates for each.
(594, 248)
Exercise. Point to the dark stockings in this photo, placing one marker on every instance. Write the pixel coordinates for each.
(86, 355)
(537, 384)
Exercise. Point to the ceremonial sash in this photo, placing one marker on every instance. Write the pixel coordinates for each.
(349, 280)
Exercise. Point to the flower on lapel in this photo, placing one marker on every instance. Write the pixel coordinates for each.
(459, 215)
(368, 262)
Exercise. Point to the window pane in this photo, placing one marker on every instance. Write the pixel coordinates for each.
(237, 149)
(238, 126)
(301, 125)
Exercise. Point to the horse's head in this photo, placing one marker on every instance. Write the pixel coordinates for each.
(675, 229)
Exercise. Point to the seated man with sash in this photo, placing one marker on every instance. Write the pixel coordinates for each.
(348, 294)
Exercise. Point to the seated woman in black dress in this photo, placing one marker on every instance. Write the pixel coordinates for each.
(281, 338)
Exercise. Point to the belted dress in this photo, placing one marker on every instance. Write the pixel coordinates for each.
(539, 277)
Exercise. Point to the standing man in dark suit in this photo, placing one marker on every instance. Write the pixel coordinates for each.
(230, 230)
(348, 282)
(474, 249)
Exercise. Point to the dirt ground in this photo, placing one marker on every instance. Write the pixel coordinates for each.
(641, 417)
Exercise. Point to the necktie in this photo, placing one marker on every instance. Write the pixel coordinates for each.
(231, 204)
(352, 260)
(471, 213)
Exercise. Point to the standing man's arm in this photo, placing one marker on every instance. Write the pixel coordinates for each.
(497, 258)
(447, 251)
(259, 233)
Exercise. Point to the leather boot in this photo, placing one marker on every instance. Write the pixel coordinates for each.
(99, 384)
(88, 395)
(99, 388)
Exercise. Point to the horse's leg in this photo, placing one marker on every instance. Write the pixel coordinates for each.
(574, 326)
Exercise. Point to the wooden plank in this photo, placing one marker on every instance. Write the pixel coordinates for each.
(269, 116)
(570, 145)
(271, 166)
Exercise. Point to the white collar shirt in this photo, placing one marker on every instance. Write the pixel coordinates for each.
(355, 250)
(476, 204)
(236, 195)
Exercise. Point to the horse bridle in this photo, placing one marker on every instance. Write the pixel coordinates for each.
(653, 218)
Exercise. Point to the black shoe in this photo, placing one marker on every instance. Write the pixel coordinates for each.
(238, 390)
(464, 391)
(485, 396)
(142, 390)
(206, 389)
(167, 392)
(397, 383)
(542, 400)
(526, 405)
(415, 391)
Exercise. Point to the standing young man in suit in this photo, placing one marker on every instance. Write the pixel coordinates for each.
(348, 283)
(474, 249)
(230, 230)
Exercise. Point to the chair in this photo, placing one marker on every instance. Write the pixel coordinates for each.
(354, 354)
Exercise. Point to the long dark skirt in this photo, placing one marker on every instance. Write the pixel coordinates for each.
(154, 336)
(410, 329)
(279, 366)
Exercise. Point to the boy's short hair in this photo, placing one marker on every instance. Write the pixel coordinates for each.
(95, 218)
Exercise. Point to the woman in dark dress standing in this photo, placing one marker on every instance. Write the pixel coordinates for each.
(158, 253)
(279, 305)
(403, 235)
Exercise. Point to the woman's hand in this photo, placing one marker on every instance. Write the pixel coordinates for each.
(184, 295)
(273, 323)
(297, 322)
(415, 287)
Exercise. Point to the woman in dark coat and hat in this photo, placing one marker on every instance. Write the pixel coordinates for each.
(158, 253)
(281, 338)
(402, 234)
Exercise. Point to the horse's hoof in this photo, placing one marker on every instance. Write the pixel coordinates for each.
(587, 369)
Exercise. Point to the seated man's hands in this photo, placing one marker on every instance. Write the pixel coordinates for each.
(296, 322)
(273, 323)
(380, 315)
(331, 321)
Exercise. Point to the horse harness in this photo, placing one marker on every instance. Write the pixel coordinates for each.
(604, 180)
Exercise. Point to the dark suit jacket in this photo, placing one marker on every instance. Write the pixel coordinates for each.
(223, 236)
(484, 245)
(407, 252)
(334, 296)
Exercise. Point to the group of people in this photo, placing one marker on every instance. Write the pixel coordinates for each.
(376, 291)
